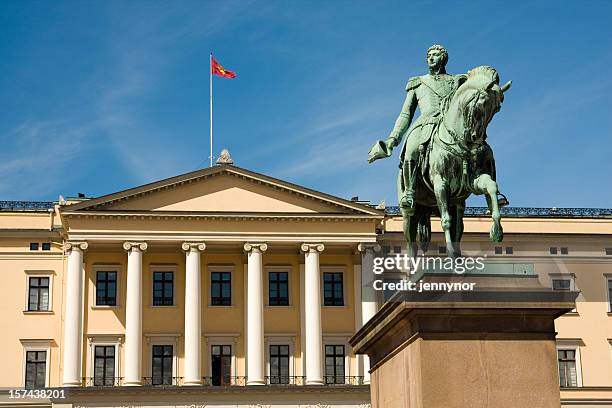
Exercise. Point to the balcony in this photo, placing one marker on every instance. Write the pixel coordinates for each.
(231, 381)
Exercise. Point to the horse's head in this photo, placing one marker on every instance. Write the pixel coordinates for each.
(475, 102)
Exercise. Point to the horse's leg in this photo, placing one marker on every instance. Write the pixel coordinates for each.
(410, 233)
(457, 231)
(441, 190)
(484, 184)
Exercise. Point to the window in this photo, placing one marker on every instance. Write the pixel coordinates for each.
(163, 288)
(161, 365)
(608, 251)
(221, 288)
(33, 246)
(441, 250)
(36, 369)
(38, 293)
(106, 288)
(278, 288)
(279, 364)
(553, 250)
(221, 364)
(334, 364)
(564, 251)
(561, 284)
(397, 249)
(498, 250)
(332, 289)
(509, 250)
(46, 246)
(104, 365)
(567, 368)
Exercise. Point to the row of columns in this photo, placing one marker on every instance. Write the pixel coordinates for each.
(73, 330)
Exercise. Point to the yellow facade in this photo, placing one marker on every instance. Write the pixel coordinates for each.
(226, 207)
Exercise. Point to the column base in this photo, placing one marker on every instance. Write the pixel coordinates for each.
(74, 383)
(314, 382)
(256, 382)
(132, 384)
(192, 382)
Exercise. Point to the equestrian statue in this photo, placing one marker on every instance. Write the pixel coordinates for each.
(445, 156)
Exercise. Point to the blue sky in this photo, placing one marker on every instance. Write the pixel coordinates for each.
(101, 96)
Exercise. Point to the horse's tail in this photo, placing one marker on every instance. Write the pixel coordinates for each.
(424, 229)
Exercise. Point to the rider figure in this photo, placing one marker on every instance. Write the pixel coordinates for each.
(430, 93)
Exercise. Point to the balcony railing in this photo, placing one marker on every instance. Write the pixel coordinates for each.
(285, 380)
(162, 381)
(343, 380)
(232, 381)
(102, 382)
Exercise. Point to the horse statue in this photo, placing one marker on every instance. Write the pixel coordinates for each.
(455, 163)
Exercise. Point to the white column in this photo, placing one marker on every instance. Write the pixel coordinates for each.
(193, 313)
(133, 313)
(369, 306)
(73, 315)
(312, 313)
(255, 321)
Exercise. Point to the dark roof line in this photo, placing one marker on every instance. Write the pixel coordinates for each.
(519, 212)
(33, 206)
(530, 212)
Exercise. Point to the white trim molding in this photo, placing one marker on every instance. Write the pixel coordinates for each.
(575, 345)
(32, 273)
(163, 339)
(36, 345)
(220, 339)
(281, 340)
(94, 340)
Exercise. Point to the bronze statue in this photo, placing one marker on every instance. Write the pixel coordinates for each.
(445, 156)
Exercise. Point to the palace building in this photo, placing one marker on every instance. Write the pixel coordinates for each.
(228, 288)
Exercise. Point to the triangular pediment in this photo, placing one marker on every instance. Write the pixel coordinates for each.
(223, 189)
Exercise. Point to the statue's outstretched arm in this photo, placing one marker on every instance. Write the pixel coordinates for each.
(403, 120)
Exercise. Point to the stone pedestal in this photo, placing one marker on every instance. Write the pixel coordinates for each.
(494, 349)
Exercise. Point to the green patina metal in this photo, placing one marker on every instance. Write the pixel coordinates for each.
(445, 156)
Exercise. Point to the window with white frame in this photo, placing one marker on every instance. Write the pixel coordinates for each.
(103, 360)
(279, 355)
(36, 354)
(567, 368)
(39, 290)
(568, 359)
(163, 361)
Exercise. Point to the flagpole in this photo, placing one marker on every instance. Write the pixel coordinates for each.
(211, 112)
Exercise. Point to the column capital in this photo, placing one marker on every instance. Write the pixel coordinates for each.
(70, 245)
(259, 247)
(139, 246)
(368, 246)
(312, 247)
(193, 246)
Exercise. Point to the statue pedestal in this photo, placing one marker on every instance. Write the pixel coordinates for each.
(469, 352)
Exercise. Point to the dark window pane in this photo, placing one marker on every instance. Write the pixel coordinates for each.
(333, 289)
(163, 288)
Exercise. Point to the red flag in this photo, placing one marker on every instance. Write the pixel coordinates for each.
(217, 69)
